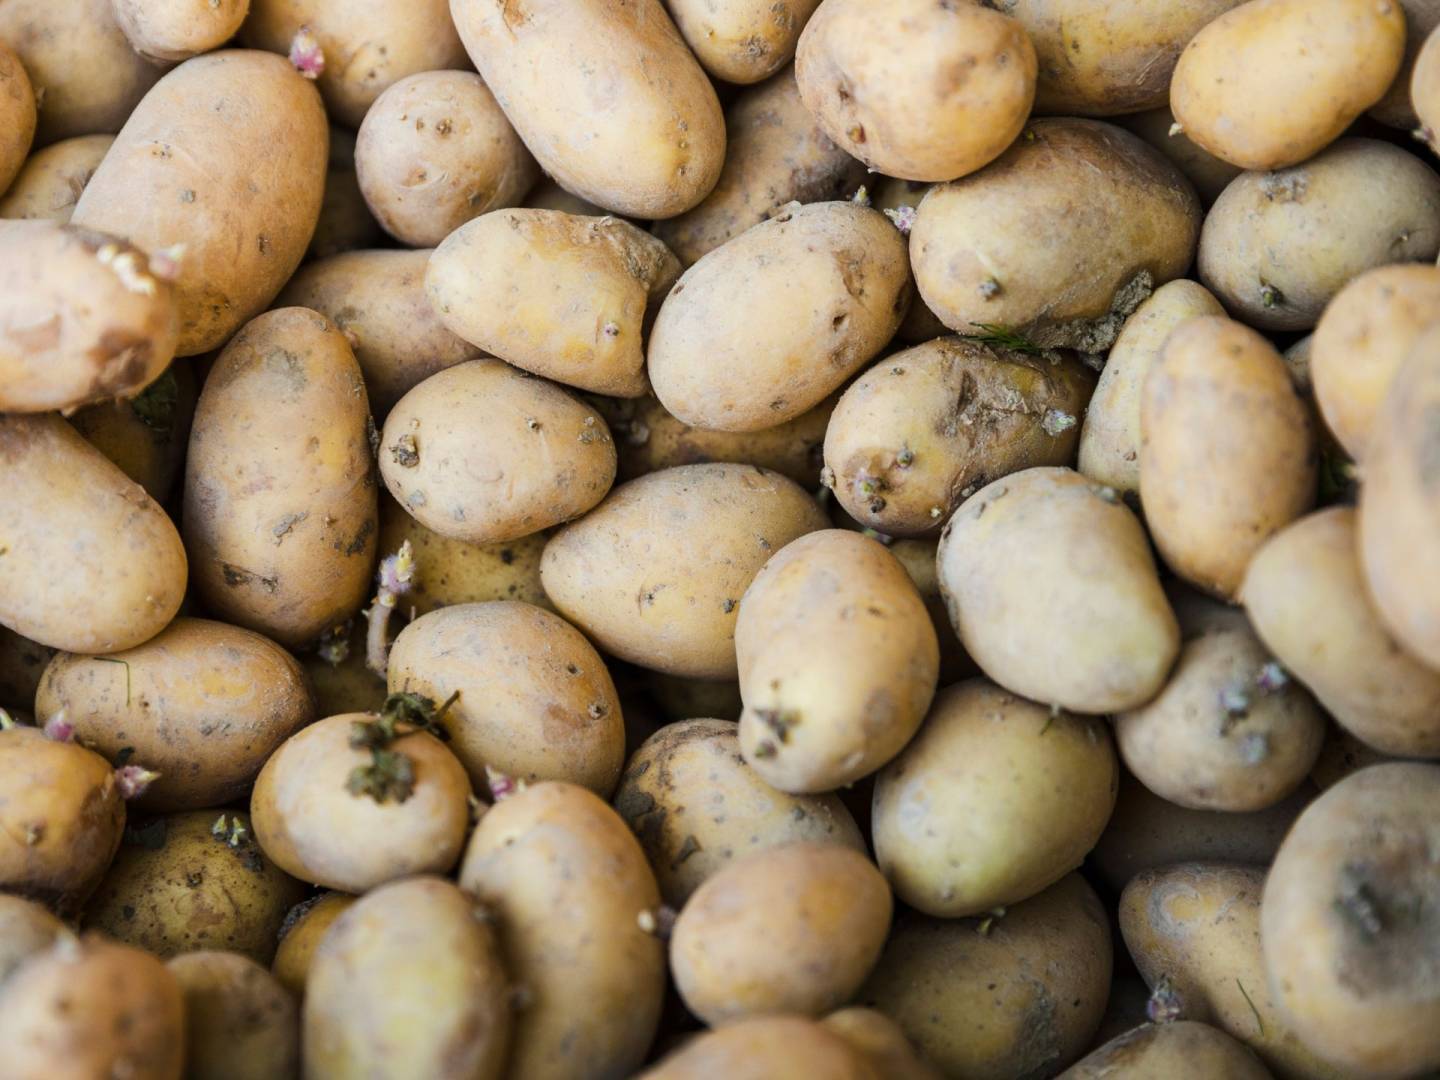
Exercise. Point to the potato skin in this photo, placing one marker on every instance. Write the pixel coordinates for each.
(880, 1040)
(651, 148)
(147, 435)
(822, 288)
(240, 185)
(25, 928)
(1208, 173)
(765, 1048)
(17, 115)
(744, 41)
(409, 981)
(300, 935)
(125, 573)
(240, 1023)
(52, 178)
(596, 977)
(1179, 1048)
(168, 30)
(1425, 90)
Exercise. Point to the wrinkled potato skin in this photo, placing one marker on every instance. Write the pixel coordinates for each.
(597, 979)
(345, 222)
(300, 935)
(125, 567)
(25, 928)
(745, 41)
(822, 288)
(924, 427)
(82, 318)
(651, 147)
(766, 1048)
(52, 178)
(1102, 636)
(1271, 82)
(17, 115)
(880, 1040)
(687, 541)
(146, 436)
(562, 296)
(280, 507)
(169, 30)
(1396, 109)
(240, 1023)
(1204, 170)
(201, 703)
(1161, 1051)
(409, 982)
(1277, 246)
(1227, 451)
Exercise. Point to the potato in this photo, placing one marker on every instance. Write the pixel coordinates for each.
(147, 435)
(1341, 755)
(409, 982)
(881, 1041)
(52, 178)
(339, 674)
(1022, 247)
(167, 30)
(83, 318)
(229, 152)
(918, 558)
(1326, 60)
(1348, 921)
(1227, 451)
(345, 222)
(903, 197)
(280, 506)
(743, 41)
(1207, 172)
(1425, 90)
(377, 300)
(1050, 584)
(995, 800)
(300, 935)
(822, 288)
(201, 703)
(776, 154)
(1160, 1051)
(362, 47)
(92, 1009)
(124, 572)
(22, 662)
(680, 698)
(766, 1048)
(925, 428)
(1001, 1003)
(25, 929)
(240, 1023)
(1396, 109)
(595, 976)
(1110, 435)
(556, 294)
(17, 115)
(655, 574)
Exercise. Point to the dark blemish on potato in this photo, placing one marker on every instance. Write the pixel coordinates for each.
(362, 535)
(728, 606)
(687, 848)
(238, 576)
(127, 912)
(121, 360)
(286, 524)
(262, 244)
(765, 749)
(1270, 296)
(598, 710)
(406, 452)
(187, 196)
(779, 721)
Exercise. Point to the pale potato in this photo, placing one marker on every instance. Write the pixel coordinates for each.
(742, 41)
(169, 30)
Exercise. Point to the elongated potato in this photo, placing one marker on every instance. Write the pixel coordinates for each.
(649, 145)
(280, 507)
(822, 288)
(240, 1023)
(563, 296)
(169, 30)
(147, 435)
(743, 41)
(596, 978)
(17, 115)
(1158, 1051)
(765, 1048)
(229, 151)
(1207, 172)
(124, 574)
(26, 928)
(300, 935)
(52, 178)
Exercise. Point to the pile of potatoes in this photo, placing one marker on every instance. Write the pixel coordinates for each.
(759, 539)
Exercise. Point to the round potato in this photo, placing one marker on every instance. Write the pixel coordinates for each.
(300, 935)
(882, 1042)
(1207, 172)
(25, 929)
(17, 115)
(168, 30)
(766, 1048)
(50, 183)
(147, 435)
(240, 1023)
(1396, 109)
(345, 222)
(1180, 1048)
(744, 41)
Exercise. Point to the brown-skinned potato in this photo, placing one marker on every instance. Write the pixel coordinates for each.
(300, 935)
(765, 1048)
(745, 41)
(1179, 1048)
(52, 178)
(146, 436)
(17, 115)
(240, 1023)
(880, 1039)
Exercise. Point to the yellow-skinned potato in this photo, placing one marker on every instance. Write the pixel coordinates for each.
(766, 1048)
(1110, 436)
(201, 703)
(924, 429)
(596, 977)
(1327, 61)
(1165, 1050)
(1277, 246)
(556, 294)
(1425, 90)
(767, 325)
(1101, 636)
(240, 1023)
(147, 435)
(169, 30)
(915, 89)
(25, 929)
(1020, 245)
(409, 982)
(776, 154)
(52, 178)
(1203, 169)
(435, 151)
(1396, 109)
(650, 144)
(308, 820)
(83, 318)
(880, 1040)
(300, 935)
(229, 151)
(17, 115)
(1227, 451)
(655, 575)
(125, 565)
(742, 41)
(345, 222)
(1350, 928)
(280, 506)
(992, 802)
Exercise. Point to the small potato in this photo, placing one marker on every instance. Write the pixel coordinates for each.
(123, 575)
(83, 318)
(559, 295)
(201, 703)
(1227, 451)
(1051, 586)
(25, 929)
(838, 661)
(280, 508)
(596, 977)
(766, 326)
(882, 1042)
(1161, 1051)
(1326, 60)
(898, 200)
(1021, 246)
(1277, 246)
(1110, 437)
(1396, 109)
(655, 574)
(50, 183)
(1425, 90)
(742, 41)
(926, 428)
(995, 800)
(240, 1023)
(345, 223)
(147, 435)
(327, 812)
(22, 663)
(168, 30)
(1349, 923)
(1208, 173)
(409, 982)
(300, 935)
(766, 1048)
(378, 301)
(17, 115)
